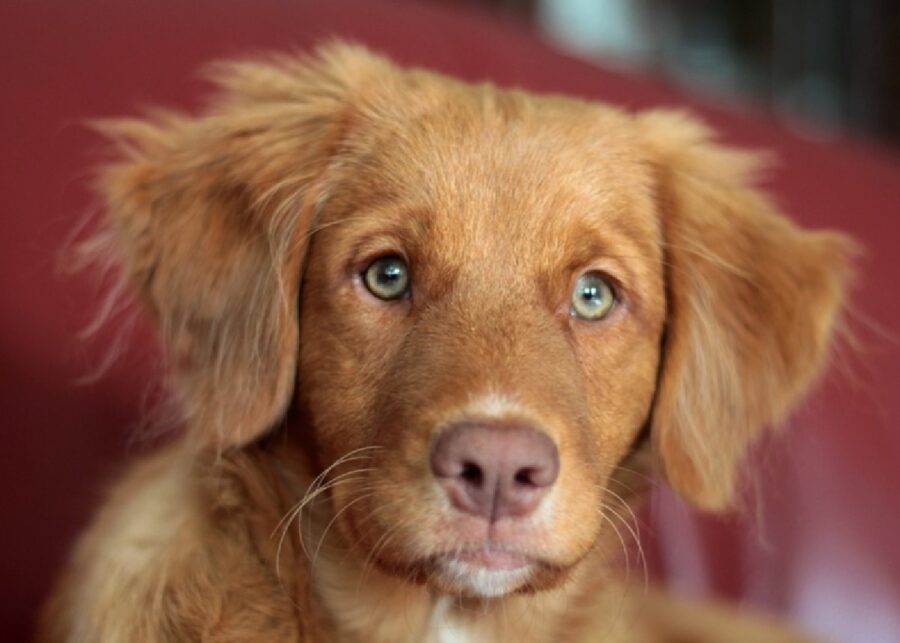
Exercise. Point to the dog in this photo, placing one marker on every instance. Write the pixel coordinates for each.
(431, 340)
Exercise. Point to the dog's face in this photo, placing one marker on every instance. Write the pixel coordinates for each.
(500, 297)
(488, 267)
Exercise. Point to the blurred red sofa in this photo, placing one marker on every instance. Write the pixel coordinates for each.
(825, 547)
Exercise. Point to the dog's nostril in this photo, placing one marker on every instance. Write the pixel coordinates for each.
(537, 476)
(472, 473)
(526, 477)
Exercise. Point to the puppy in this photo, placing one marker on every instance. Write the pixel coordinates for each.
(430, 338)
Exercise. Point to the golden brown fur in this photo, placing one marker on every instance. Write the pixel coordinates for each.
(326, 526)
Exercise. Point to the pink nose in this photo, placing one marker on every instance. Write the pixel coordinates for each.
(495, 471)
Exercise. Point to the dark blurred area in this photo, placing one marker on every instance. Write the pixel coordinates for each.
(823, 67)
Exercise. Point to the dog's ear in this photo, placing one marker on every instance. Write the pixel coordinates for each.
(211, 214)
(751, 304)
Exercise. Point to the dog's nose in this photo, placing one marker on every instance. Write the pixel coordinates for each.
(495, 471)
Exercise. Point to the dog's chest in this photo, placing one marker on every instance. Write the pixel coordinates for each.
(447, 628)
(453, 634)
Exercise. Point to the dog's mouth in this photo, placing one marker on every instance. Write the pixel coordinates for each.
(486, 571)
(483, 566)
(489, 558)
(476, 569)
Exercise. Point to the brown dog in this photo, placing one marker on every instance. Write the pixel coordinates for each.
(483, 314)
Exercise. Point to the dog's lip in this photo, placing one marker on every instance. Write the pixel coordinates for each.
(489, 558)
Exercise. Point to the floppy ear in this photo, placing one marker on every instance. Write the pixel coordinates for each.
(210, 215)
(752, 302)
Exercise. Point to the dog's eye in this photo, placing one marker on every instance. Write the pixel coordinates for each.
(593, 297)
(387, 278)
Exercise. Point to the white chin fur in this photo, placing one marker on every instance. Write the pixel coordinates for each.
(484, 583)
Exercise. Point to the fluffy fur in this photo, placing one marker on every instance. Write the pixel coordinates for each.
(298, 504)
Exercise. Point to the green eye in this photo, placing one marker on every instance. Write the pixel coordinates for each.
(387, 278)
(593, 297)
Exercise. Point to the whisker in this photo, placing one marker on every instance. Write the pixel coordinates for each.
(350, 476)
(293, 515)
(311, 493)
(634, 531)
(369, 563)
(625, 585)
(317, 487)
(621, 540)
(331, 522)
(641, 474)
(317, 481)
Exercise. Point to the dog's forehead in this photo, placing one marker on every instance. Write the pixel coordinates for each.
(490, 172)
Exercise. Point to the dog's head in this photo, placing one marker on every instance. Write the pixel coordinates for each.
(479, 301)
